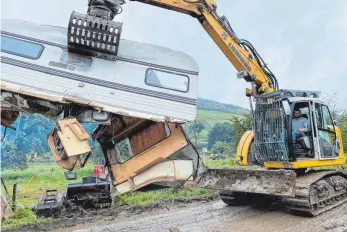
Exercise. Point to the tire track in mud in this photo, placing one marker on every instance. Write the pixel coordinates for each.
(217, 217)
(189, 218)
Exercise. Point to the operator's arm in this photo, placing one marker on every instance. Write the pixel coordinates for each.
(306, 123)
(303, 125)
(241, 53)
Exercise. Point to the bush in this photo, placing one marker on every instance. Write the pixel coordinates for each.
(222, 147)
(23, 216)
(221, 132)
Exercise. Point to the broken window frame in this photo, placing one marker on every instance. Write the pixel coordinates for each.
(24, 54)
(172, 73)
(73, 59)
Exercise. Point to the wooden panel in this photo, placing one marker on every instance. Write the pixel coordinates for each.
(68, 163)
(121, 134)
(172, 170)
(79, 131)
(148, 137)
(150, 157)
(73, 145)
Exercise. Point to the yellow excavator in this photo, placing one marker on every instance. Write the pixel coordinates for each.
(283, 153)
(293, 141)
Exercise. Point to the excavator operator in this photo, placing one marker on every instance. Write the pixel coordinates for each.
(300, 125)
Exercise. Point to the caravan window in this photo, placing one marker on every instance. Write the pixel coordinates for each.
(167, 80)
(21, 48)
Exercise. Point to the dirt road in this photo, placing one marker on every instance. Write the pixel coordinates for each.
(216, 216)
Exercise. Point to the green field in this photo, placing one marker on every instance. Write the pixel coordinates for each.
(214, 115)
(51, 176)
(45, 176)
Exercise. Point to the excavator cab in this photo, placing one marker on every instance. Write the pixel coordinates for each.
(277, 141)
(320, 132)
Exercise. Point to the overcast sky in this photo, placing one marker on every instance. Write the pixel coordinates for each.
(303, 42)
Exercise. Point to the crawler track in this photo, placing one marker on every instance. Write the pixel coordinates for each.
(232, 198)
(318, 192)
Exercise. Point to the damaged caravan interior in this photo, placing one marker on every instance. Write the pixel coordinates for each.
(140, 96)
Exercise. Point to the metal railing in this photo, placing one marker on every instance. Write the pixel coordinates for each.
(270, 134)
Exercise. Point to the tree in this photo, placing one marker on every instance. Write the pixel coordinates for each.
(124, 151)
(196, 127)
(28, 138)
(240, 125)
(222, 148)
(222, 132)
(330, 101)
(342, 119)
(12, 157)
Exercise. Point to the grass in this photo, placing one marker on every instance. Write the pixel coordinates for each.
(214, 115)
(218, 164)
(23, 216)
(47, 176)
(146, 198)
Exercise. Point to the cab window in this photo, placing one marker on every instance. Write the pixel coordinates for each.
(323, 117)
(327, 136)
(21, 47)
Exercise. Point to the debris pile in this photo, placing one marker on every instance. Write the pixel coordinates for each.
(89, 194)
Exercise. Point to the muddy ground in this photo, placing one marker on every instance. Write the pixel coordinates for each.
(201, 215)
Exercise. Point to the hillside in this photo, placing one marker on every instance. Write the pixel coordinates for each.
(211, 112)
(214, 115)
(205, 104)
